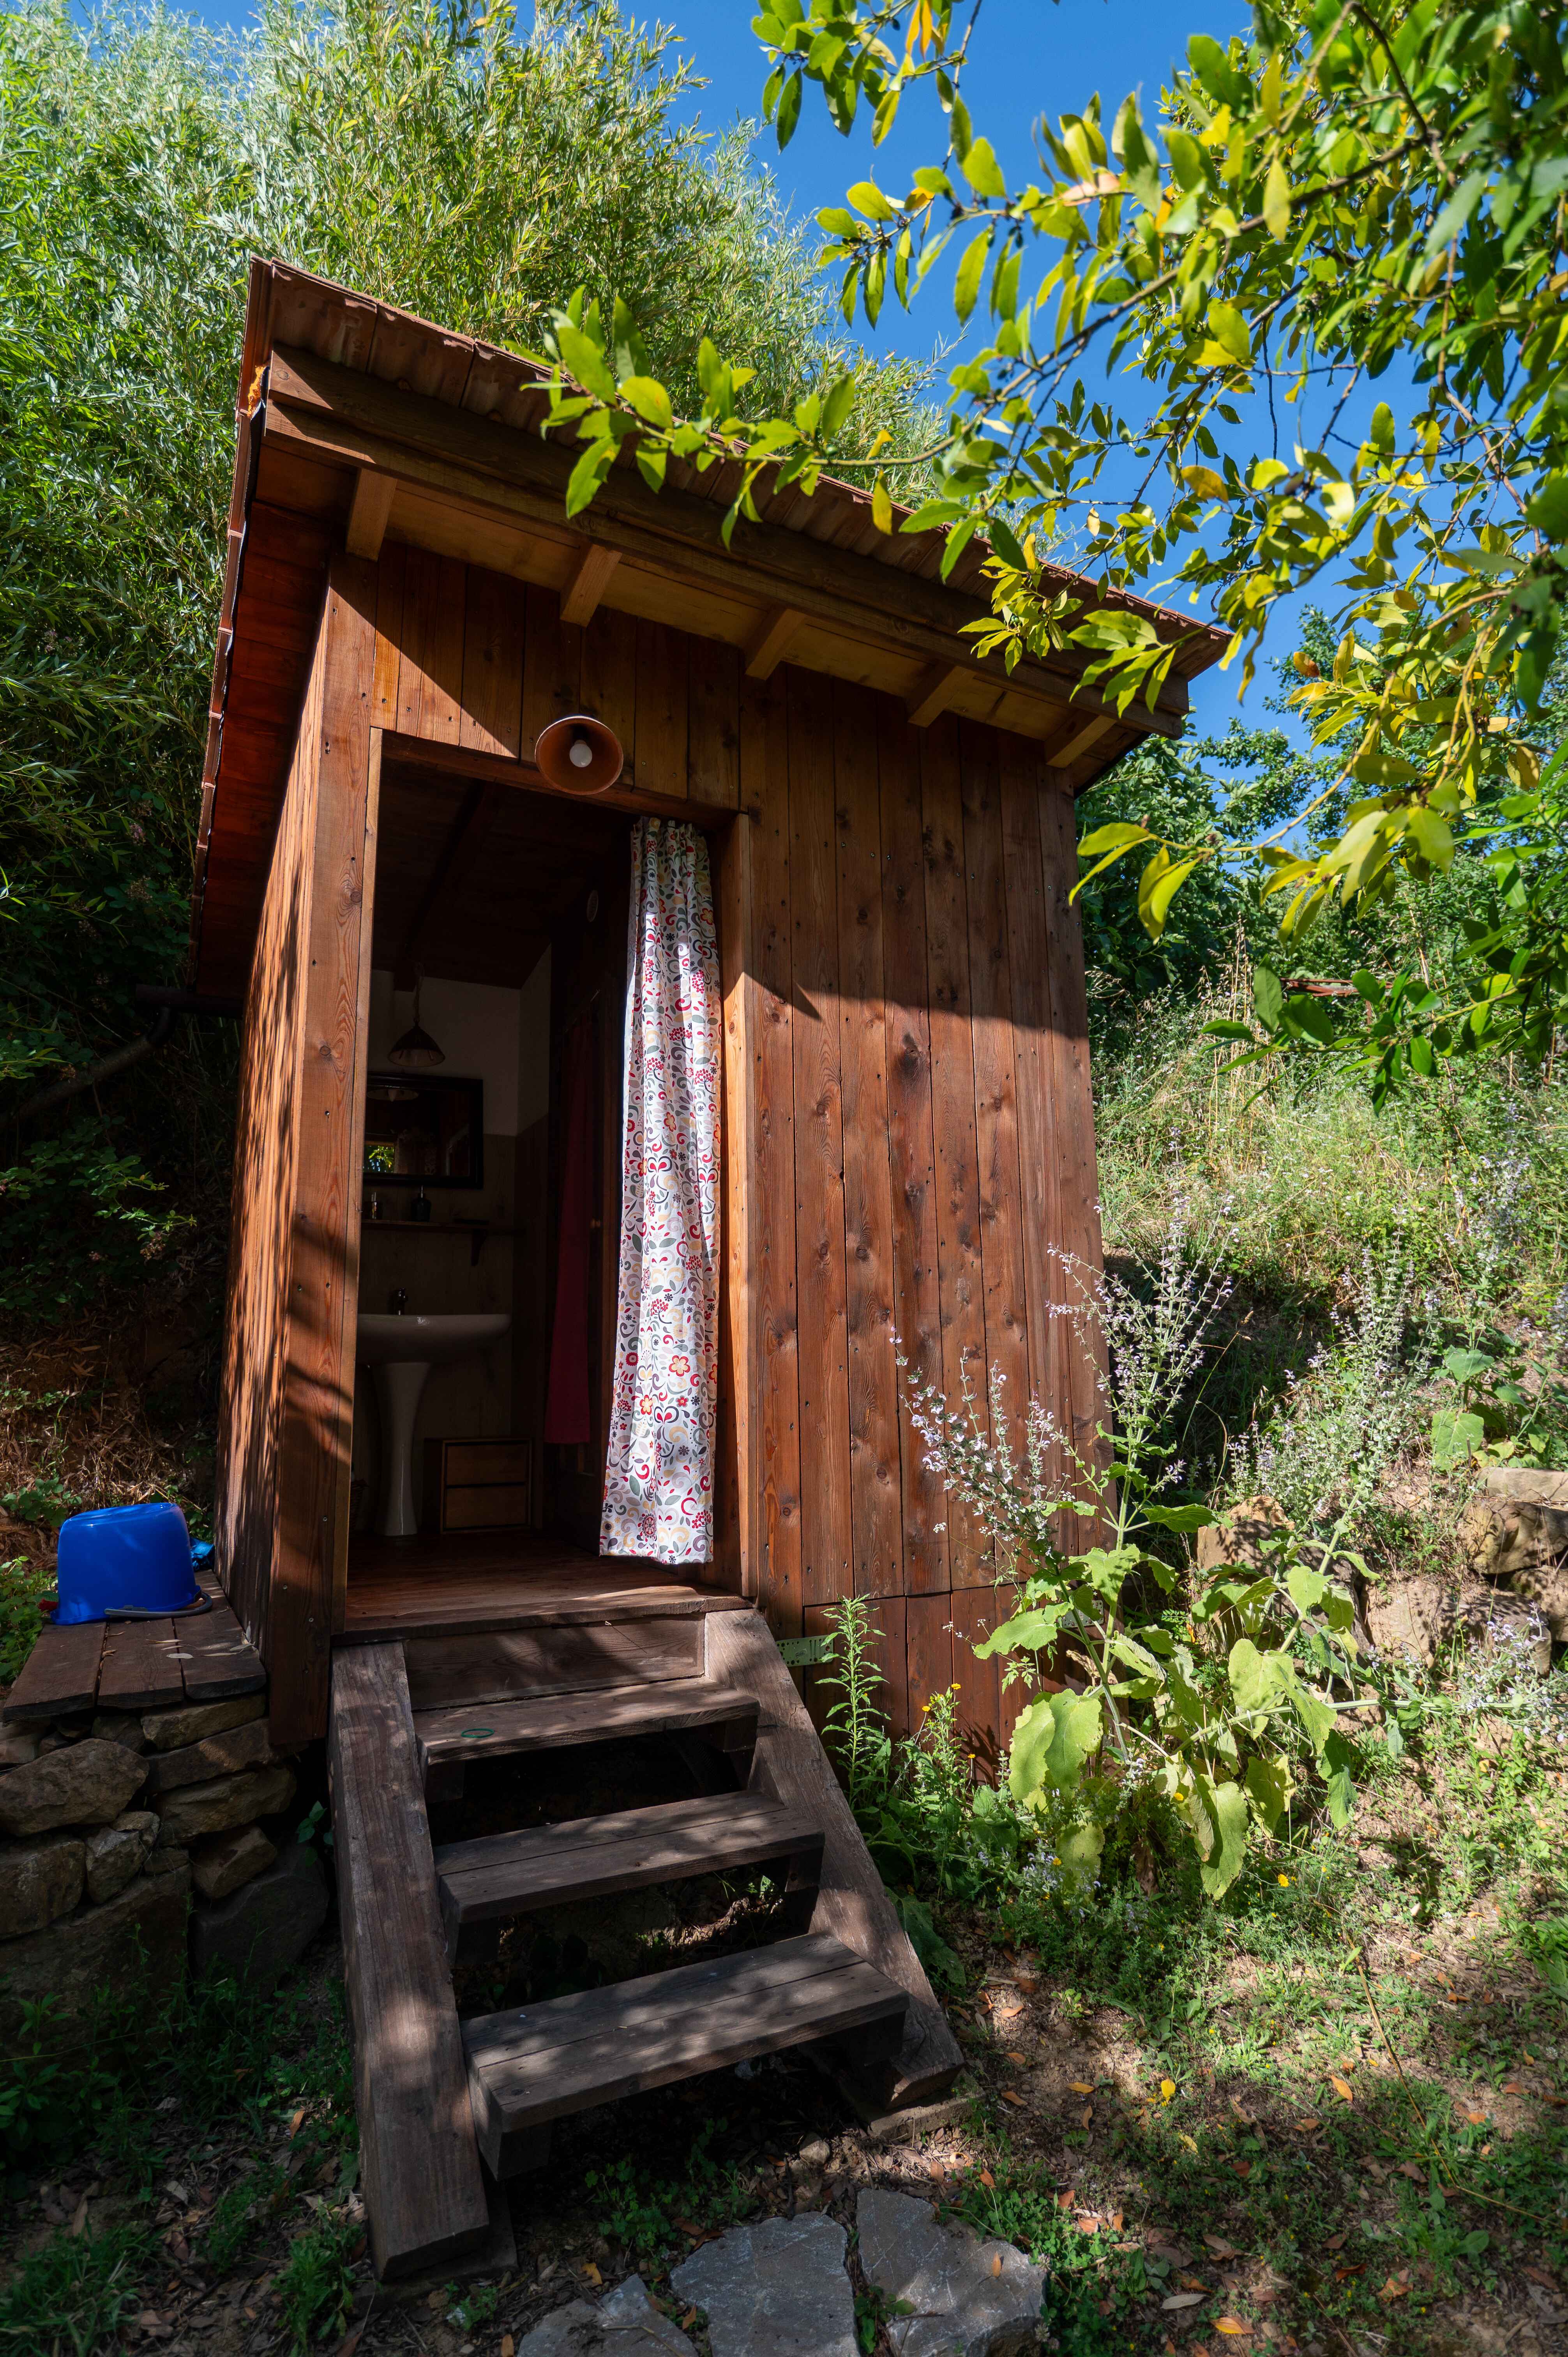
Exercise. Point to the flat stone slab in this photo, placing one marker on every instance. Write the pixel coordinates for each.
(626, 2324)
(775, 2289)
(967, 2298)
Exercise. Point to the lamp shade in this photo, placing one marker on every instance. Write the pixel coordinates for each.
(579, 755)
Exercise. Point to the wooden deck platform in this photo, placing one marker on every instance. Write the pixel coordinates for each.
(488, 1580)
(132, 1665)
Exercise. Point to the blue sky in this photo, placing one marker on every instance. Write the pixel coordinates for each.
(1031, 56)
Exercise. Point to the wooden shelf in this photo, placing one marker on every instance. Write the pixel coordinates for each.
(477, 1237)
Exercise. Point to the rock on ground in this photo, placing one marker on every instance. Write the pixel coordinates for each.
(134, 1943)
(119, 1852)
(1412, 1619)
(117, 1726)
(169, 1730)
(81, 1784)
(1241, 1535)
(227, 1860)
(18, 1745)
(775, 2289)
(231, 1801)
(626, 2324)
(266, 1925)
(970, 2298)
(38, 1881)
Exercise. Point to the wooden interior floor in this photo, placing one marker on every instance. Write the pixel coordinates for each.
(505, 1580)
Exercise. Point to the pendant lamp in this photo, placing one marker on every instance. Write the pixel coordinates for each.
(416, 1048)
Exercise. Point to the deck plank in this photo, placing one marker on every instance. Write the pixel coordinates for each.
(424, 2194)
(220, 1659)
(561, 1722)
(61, 1674)
(141, 1668)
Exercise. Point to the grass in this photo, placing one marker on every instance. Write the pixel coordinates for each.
(74, 2291)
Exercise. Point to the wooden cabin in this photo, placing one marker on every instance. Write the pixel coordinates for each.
(907, 1134)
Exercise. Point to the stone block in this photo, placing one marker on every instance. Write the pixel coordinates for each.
(775, 2289)
(38, 1881)
(83, 1785)
(223, 1754)
(18, 1745)
(626, 2324)
(119, 1852)
(170, 1730)
(967, 2297)
(262, 1929)
(1413, 1618)
(231, 1801)
(226, 1860)
(1240, 1537)
(134, 1947)
(118, 1727)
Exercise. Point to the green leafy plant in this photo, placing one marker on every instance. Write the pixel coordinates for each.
(74, 2293)
(1210, 1703)
(314, 2286)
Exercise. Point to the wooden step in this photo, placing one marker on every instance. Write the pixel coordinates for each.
(719, 1714)
(529, 2067)
(595, 1857)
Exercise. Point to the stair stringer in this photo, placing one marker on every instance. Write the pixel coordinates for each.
(853, 1904)
(419, 2162)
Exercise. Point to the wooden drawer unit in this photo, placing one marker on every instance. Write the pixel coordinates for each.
(478, 1485)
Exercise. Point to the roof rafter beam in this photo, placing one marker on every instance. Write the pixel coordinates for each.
(373, 496)
(780, 625)
(580, 598)
(935, 692)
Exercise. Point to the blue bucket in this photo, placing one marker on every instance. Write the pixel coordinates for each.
(129, 1560)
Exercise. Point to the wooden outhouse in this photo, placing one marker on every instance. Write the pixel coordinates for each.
(906, 1134)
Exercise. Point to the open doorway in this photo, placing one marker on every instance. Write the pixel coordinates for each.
(491, 1181)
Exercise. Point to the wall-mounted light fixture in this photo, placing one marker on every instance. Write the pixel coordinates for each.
(579, 755)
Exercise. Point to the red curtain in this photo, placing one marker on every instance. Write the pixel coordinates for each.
(568, 1413)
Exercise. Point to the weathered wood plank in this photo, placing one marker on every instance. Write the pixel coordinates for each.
(563, 1722)
(877, 1554)
(961, 1266)
(219, 1661)
(852, 1903)
(572, 2052)
(765, 781)
(1001, 1213)
(609, 685)
(826, 1533)
(738, 1501)
(322, 1260)
(911, 1148)
(141, 1668)
(663, 719)
(59, 1676)
(430, 678)
(1073, 1100)
(492, 716)
(713, 762)
(464, 1669)
(928, 1638)
(425, 2193)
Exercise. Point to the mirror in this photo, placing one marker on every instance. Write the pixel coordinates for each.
(423, 1132)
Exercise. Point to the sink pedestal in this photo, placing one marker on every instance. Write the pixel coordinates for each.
(399, 1385)
(401, 1349)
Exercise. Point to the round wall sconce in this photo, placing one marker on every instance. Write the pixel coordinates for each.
(579, 755)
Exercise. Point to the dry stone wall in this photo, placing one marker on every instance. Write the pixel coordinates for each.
(114, 1827)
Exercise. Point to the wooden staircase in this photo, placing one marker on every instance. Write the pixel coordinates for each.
(436, 2095)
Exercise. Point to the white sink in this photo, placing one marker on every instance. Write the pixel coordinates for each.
(401, 1350)
(428, 1341)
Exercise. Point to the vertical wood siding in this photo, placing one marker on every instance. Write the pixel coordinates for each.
(908, 1121)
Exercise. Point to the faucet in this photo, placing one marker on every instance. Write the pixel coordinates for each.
(397, 1301)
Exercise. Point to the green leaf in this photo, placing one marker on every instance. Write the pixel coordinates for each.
(1053, 1738)
(1548, 511)
(1078, 1855)
(881, 505)
(587, 361)
(1268, 997)
(1307, 1587)
(1269, 1782)
(1217, 1814)
(1205, 482)
(1457, 1434)
(867, 199)
(1276, 201)
(1157, 888)
(588, 475)
(1028, 1633)
(1230, 330)
(970, 272)
(649, 399)
(1183, 1518)
(838, 404)
(982, 171)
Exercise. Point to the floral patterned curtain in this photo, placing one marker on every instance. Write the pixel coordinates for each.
(659, 1473)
